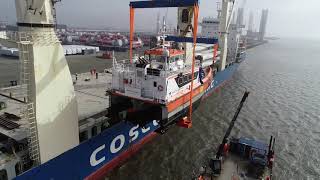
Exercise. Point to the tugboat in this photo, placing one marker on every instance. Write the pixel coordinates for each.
(248, 158)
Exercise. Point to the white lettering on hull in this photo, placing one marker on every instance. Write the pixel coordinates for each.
(133, 133)
(117, 144)
(93, 157)
(113, 147)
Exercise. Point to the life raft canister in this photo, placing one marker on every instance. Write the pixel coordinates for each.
(160, 88)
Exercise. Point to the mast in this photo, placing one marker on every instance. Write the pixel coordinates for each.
(225, 19)
(52, 107)
(158, 23)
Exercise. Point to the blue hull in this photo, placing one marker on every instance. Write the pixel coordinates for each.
(98, 153)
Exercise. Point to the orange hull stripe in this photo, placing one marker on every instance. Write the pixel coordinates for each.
(186, 98)
(183, 99)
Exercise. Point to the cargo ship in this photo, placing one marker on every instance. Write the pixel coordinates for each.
(57, 126)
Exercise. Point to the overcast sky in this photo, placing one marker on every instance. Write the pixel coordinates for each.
(291, 18)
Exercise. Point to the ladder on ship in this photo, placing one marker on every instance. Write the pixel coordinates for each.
(26, 67)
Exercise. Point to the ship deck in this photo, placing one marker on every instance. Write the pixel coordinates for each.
(90, 94)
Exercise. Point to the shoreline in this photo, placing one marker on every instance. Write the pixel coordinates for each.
(255, 44)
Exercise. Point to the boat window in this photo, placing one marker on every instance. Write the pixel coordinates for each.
(158, 58)
(3, 174)
(185, 16)
(94, 131)
(18, 169)
(83, 136)
(186, 78)
(154, 84)
(153, 72)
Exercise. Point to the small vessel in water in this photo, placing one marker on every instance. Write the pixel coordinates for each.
(248, 158)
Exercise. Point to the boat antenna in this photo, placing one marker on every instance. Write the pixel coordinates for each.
(228, 132)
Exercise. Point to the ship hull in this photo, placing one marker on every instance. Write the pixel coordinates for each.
(95, 157)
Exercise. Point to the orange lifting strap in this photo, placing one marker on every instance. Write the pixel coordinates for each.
(131, 32)
(195, 32)
(187, 122)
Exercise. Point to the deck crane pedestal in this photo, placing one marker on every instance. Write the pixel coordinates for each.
(52, 107)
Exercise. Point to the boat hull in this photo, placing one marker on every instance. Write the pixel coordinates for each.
(93, 158)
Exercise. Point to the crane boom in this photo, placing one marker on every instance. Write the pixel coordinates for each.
(228, 132)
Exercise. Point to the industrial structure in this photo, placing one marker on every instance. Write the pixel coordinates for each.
(263, 24)
(252, 34)
(240, 17)
(250, 24)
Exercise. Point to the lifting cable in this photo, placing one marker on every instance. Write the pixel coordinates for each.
(131, 32)
(195, 31)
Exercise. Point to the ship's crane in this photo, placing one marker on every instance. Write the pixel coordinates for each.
(227, 6)
(51, 100)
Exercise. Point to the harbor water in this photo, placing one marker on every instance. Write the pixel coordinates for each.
(284, 80)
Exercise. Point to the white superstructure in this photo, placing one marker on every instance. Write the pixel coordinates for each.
(210, 28)
(153, 77)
